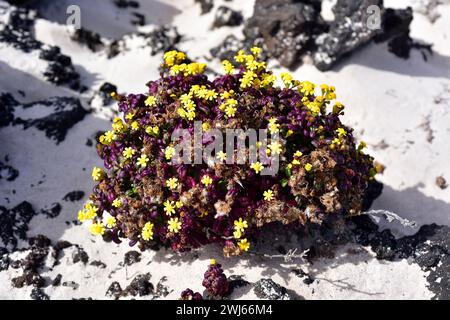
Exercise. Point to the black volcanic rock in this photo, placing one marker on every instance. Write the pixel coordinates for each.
(7, 105)
(205, 5)
(162, 39)
(88, 38)
(14, 223)
(268, 289)
(67, 112)
(60, 71)
(19, 30)
(74, 196)
(347, 32)
(227, 17)
(288, 28)
(7, 172)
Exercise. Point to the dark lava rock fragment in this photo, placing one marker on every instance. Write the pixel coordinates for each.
(227, 49)
(237, 281)
(40, 241)
(105, 91)
(140, 285)
(71, 284)
(114, 290)
(347, 32)
(4, 259)
(28, 278)
(52, 211)
(132, 257)
(307, 279)
(89, 38)
(124, 4)
(19, 30)
(7, 105)
(227, 17)
(205, 5)
(7, 172)
(57, 281)
(14, 223)
(67, 112)
(80, 255)
(268, 289)
(74, 196)
(441, 182)
(98, 263)
(38, 294)
(163, 38)
(288, 28)
(60, 71)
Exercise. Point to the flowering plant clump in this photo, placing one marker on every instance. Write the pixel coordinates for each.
(188, 294)
(143, 196)
(215, 281)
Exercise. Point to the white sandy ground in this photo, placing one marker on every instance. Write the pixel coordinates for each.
(390, 101)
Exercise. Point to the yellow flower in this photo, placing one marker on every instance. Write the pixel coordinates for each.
(97, 174)
(268, 195)
(338, 107)
(174, 225)
(240, 225)
(247, 79)
(150, 101)
(169, 152)
(143, 160)
(206, 126)
(207, 180)
(227, 94)
(212, 262)
(295, 162)
(362, 145)
(147, 231)
(111, 222)
(341, 132)
(307, 88)
(227, 67)
(275, 147)
(287, 78)
(109, 136)
(237, 234)
(169, 207)
(240, 57)
(128, 152)
(172, 183)
(117, 203)
(178, 204)
(129, 115)
(174, 57)
(97, 228)
(256, 51)
(268, 79)
(82, 217)
(210, 95)
(274, 127)
(230, 111)
(135, 125)
(222, 156)
(257, 166)
(308, 167)
(152, 130)
(244, 245)
(298, 154)
(118, 124)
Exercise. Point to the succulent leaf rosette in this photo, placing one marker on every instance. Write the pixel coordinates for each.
(143, 196)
